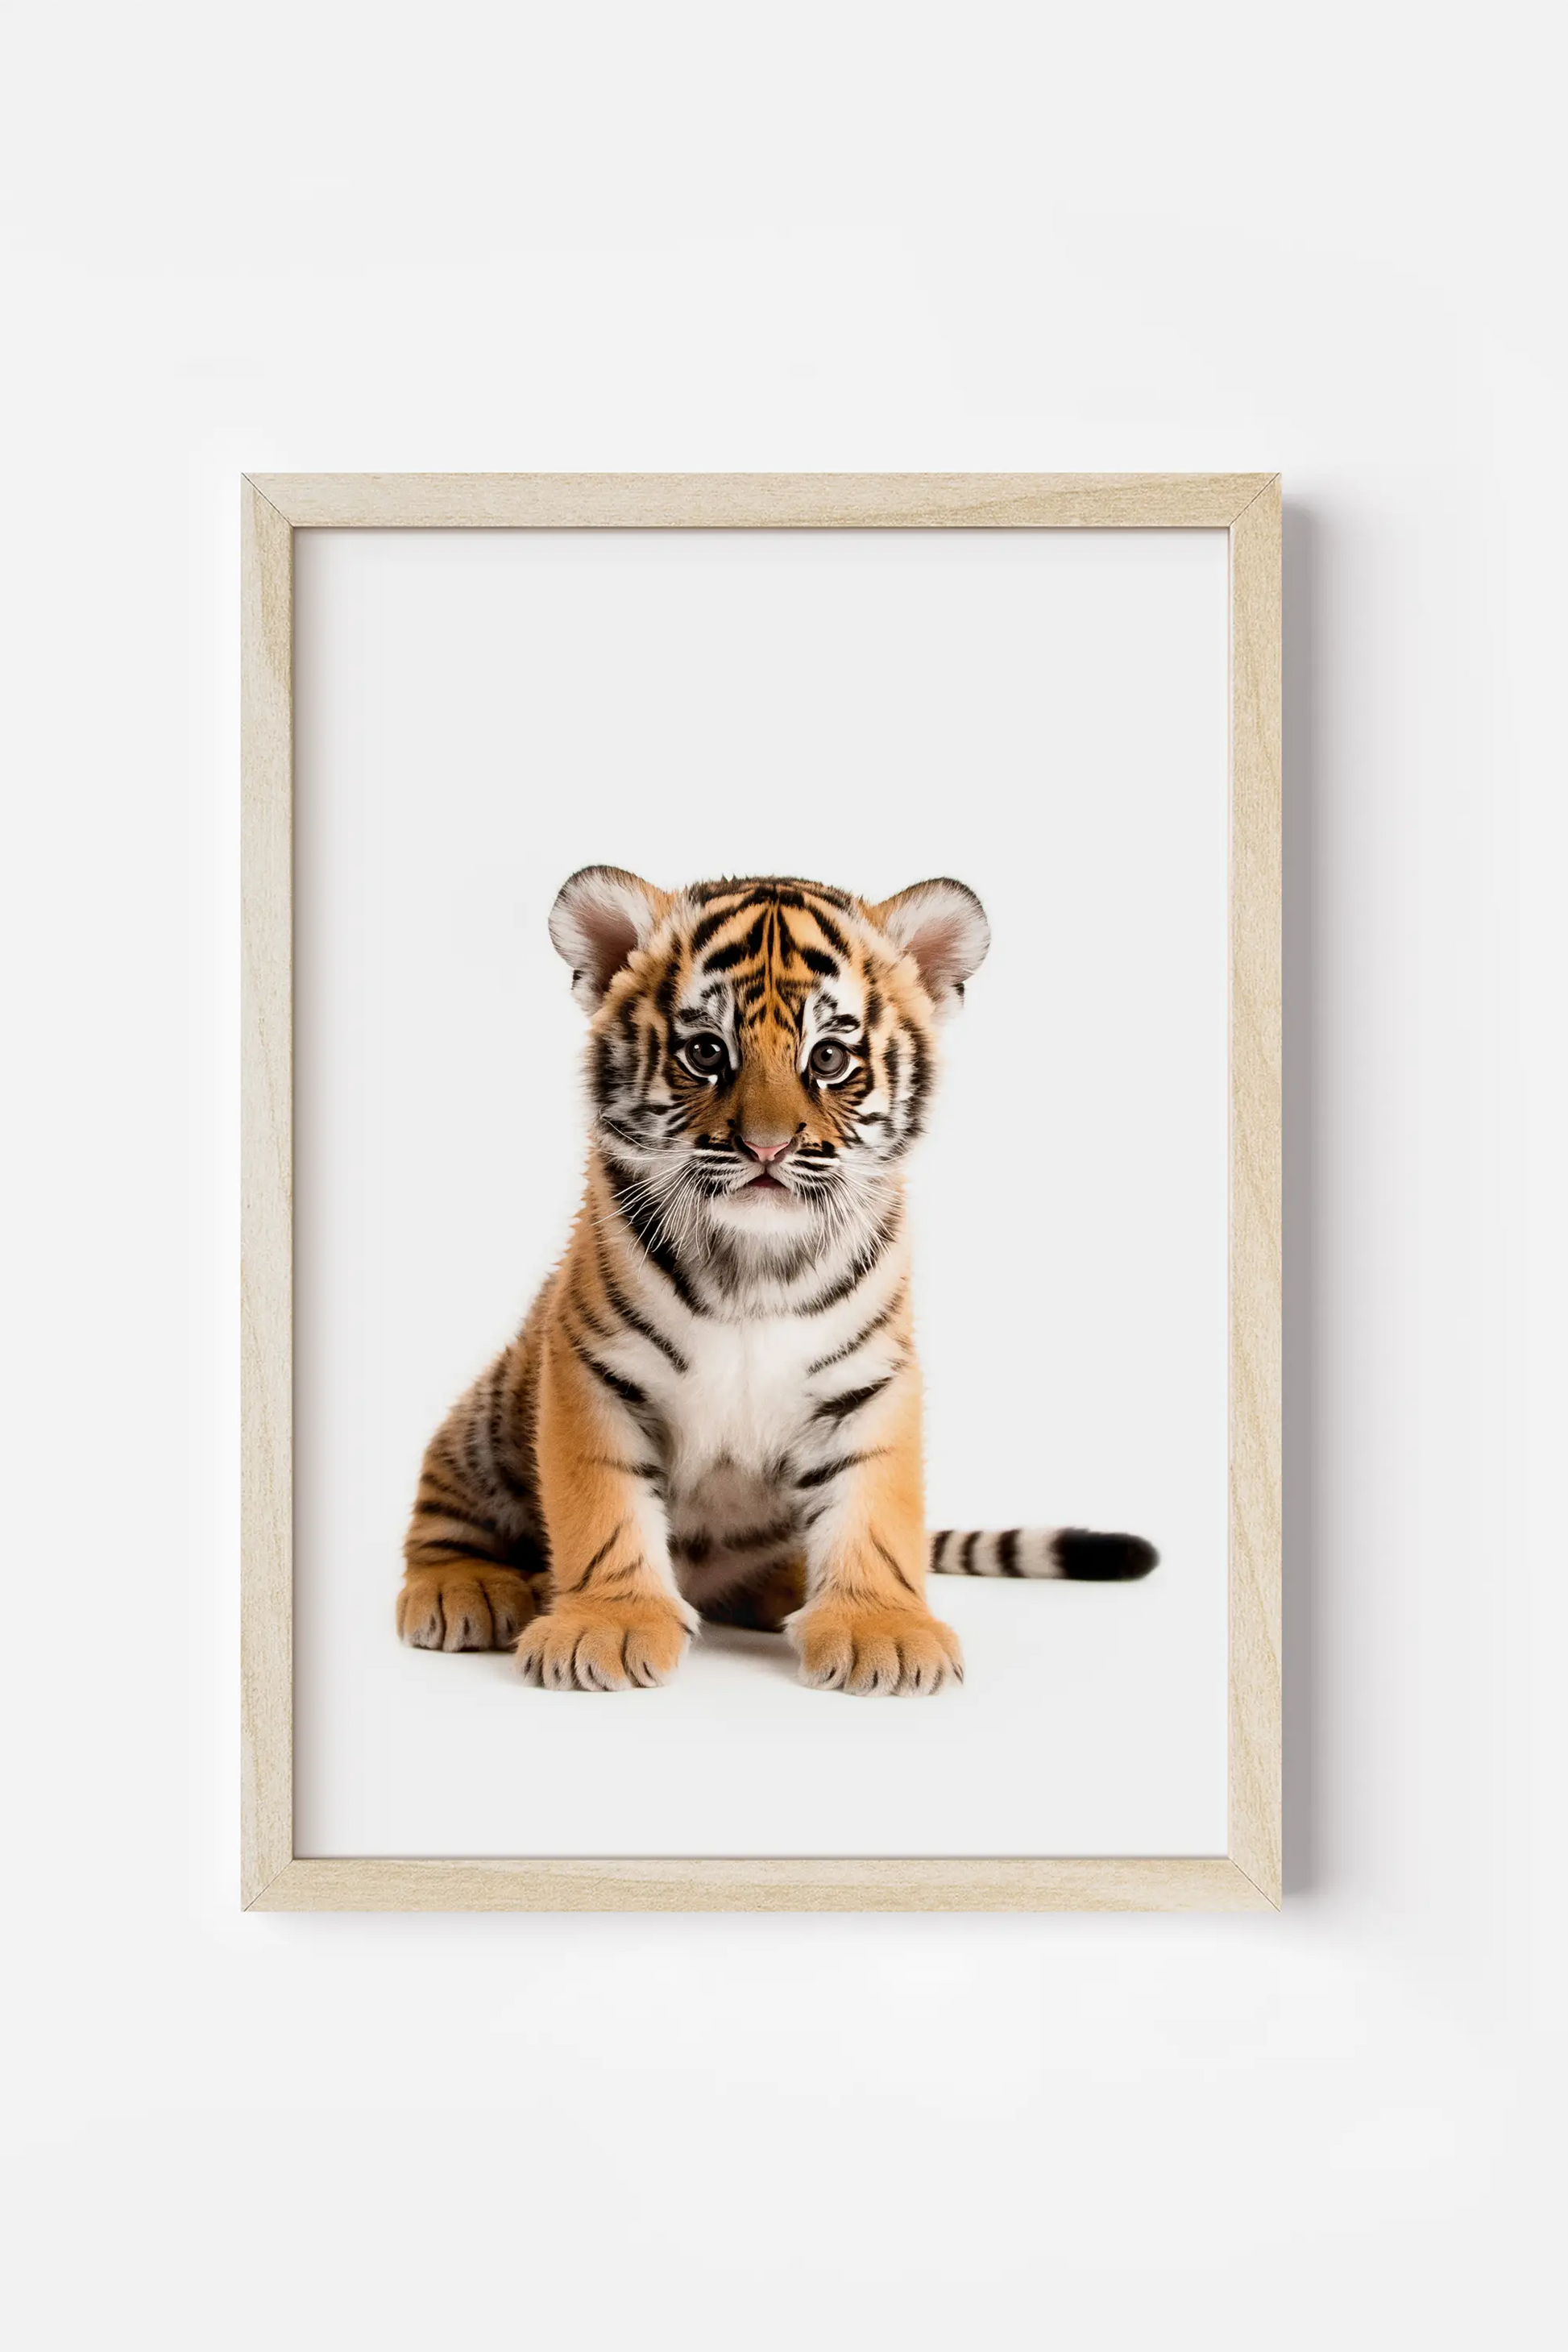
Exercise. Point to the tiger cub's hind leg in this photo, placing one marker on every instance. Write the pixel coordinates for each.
(474, 1565)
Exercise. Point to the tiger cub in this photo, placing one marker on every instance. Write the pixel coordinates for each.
(713, 1408)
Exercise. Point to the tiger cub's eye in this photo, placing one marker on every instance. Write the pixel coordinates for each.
(828, 1060)
(706, 1055)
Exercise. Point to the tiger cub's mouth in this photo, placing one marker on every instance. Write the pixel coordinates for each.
(765, 1187)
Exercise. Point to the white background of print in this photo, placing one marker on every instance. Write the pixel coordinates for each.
(1043, 714)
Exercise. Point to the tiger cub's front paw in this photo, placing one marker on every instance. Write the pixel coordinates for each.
(603, 1646)
(464, 1605)
(868, 1648)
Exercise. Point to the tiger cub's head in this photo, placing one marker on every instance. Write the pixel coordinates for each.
(761, 1050)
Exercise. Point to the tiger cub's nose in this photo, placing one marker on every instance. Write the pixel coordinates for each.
(767, 1148)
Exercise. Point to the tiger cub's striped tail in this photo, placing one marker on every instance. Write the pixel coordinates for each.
(1079, 1553)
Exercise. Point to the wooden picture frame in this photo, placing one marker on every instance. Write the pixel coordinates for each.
(1246, 507)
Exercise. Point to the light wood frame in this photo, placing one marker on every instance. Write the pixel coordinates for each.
(1244, 506)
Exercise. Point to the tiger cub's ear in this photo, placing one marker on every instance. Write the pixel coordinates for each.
(601, 915)
(942, 925)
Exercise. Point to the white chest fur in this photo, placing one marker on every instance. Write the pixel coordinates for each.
(744, 1398)
(736, 1421)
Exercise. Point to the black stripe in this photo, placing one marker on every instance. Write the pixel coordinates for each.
(520, 1489)
(641, 1220)
(831, 932)
(970, 1541)
(839, 1408)
(611, 1540)
(459, 1511)
(858, 1272)
(937, 1547)
(919, 1084)
(630, 1315)
(498, 1406)
(814, 961)
(738, 950)
(709, 928)
(840, 1290)
(627, 1390)
(428, 1484)
(1008, 1552)
(664, 994)
(892, 1563)
(600, 1330)
(471, 1464)
(845, 1462)
(770, 890)
(617, 1580)
(787, 890)
(867, 1331)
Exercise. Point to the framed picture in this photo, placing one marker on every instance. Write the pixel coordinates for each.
(761, 1191)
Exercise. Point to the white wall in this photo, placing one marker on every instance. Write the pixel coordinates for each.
(834, 236)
